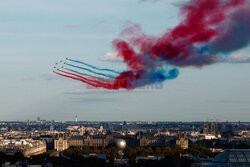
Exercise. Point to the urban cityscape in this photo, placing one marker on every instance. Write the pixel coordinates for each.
(216, 142)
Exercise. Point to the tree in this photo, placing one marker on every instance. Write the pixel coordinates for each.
(130, 153)
(86, 149)
(95, 150)
(158, 151)
(149, 151)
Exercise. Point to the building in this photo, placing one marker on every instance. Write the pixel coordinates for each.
(28, 147)
(61, 143)
(75, 141)
(231, 158)
(205, 128)
(98, 140)
(37, 148)
(90, 140)
(213, 129)
(151, 141)
(147, 141)
(182, 141)
(82, 130)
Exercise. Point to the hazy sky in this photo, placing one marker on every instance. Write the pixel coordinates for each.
(35, 34)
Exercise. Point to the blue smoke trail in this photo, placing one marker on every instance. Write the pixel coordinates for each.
(162, 75)
(96, 68)
(86, 69)
(83, 74)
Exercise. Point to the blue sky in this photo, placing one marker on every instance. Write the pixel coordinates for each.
(35, 34)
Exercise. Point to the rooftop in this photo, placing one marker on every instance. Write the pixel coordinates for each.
(233, 156)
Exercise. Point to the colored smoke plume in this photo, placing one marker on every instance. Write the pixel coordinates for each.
(209, 31)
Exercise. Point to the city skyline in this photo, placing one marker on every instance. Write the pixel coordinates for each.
(36, 35)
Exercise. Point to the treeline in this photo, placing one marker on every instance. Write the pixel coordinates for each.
(168, 156)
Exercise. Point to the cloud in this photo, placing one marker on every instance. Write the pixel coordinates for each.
(111, 56)
(49, 76)
(238, 58)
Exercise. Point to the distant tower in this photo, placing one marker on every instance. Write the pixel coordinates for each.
(38, 118)
(213, 129)
(205, 128)
(51, 127)
(76, 118)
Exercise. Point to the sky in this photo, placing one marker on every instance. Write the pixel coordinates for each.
(35, 34)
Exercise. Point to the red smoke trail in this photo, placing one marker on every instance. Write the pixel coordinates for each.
(79, 76)
(120, 82)
(78, 79)
(93, 82)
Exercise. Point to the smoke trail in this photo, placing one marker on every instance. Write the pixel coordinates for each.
(86, 69)
(83, 74)
(236, 34)
(209, 28)
(93, 81)
(96, 68)
(76, 78)
(209, 31)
